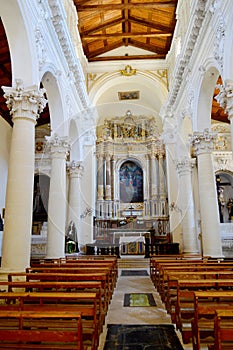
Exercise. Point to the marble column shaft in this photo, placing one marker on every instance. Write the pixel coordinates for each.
(100, 166)
(108, 178)
(57, 197)
(24, 104)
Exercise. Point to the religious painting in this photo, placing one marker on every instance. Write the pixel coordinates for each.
(128, 95)
(131, 183)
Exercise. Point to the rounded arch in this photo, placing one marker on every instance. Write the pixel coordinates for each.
(183, 142)
(74, 141)
(152, 92)
(22, 44)
(205, 96)
(56, 104)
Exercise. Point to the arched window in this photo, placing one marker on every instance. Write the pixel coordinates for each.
(131, 183)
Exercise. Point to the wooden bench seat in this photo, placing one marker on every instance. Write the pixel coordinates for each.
(110, 278)
(223, 330)
(41, 330)
(62, 286)
(87, 263)
(192, 285)
(68, 277)
(205, 306)
(162, 269)
(199, 273)
(82, 303)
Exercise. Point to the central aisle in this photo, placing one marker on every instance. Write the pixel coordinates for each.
(118, 314)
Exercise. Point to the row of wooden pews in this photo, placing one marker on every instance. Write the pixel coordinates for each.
(195, 292)
(57, 304)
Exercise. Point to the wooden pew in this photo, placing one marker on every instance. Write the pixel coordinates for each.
(205, 305)
(77, 270)
(62, 286)
(211, 272)
(81, 262)
(84, 303)
(40, 330)
(185, 308)
(43, 277)
(162, 268)
(223, 330)
(176, 306)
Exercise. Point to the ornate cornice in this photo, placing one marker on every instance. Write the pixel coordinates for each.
(187, 51)
(68, 50)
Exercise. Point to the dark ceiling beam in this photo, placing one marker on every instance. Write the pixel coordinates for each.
(124, 58)
(102, 27)
(125, 35)
(144, 46)
(121, 7)
(150, 24)
(105, 49)
(125, 24)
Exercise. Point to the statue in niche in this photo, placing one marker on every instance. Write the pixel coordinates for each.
(230, 208)
(71, 239)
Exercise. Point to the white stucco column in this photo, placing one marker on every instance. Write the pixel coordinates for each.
(24, 104)
(88, 193)
(59, 147)
(170, 140)
(186, 205)
(75, 170)
(211, 239)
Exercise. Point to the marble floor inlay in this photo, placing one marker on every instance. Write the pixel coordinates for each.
(142, 337)
(118, 314)
(139, 299)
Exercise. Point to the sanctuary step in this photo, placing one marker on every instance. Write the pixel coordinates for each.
(133, 262)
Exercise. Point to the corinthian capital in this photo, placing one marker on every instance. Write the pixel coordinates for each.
(59, 146)
(24, 102)
(75, 169)
(184, 166)
(203, 142)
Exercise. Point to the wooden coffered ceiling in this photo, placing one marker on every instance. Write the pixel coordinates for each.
(106, 25)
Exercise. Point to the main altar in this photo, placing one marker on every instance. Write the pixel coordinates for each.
(131, 184)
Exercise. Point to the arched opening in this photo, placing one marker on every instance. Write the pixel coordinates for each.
(40, 202)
